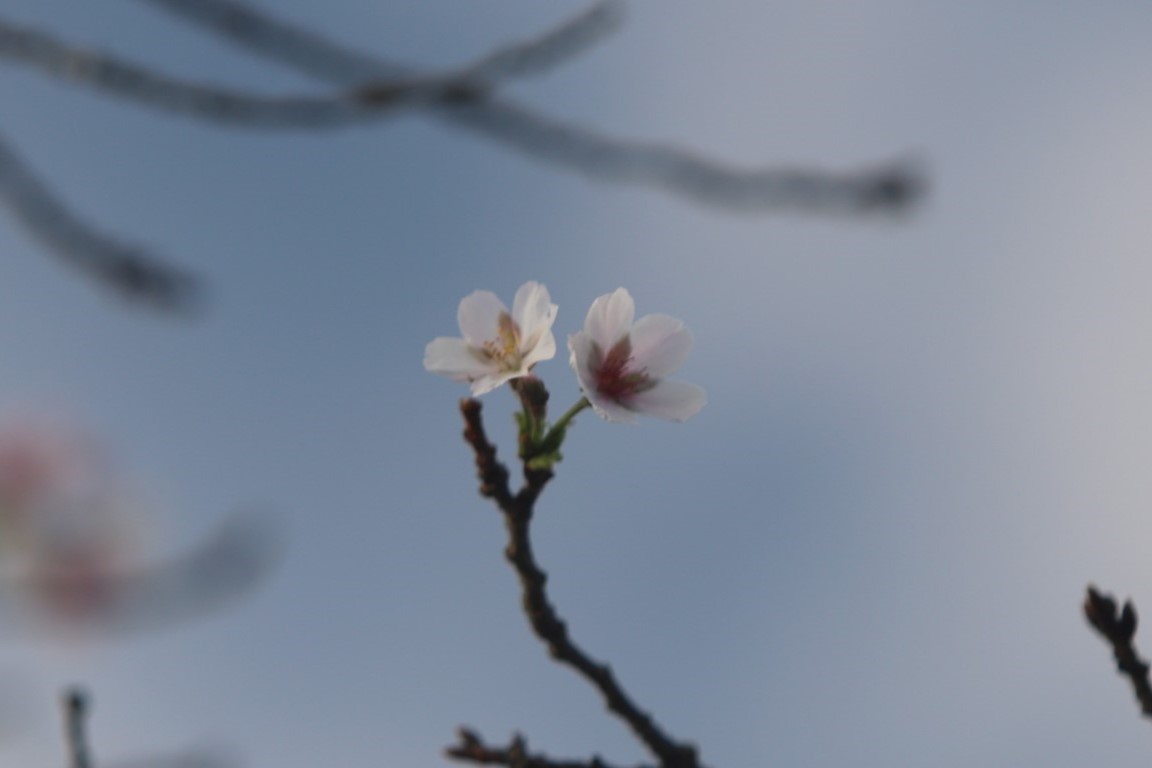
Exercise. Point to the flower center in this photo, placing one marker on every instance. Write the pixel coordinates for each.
(613, 379)
(504, 350)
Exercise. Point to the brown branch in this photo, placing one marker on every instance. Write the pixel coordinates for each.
(472, 749)
(542, 616)
(129, 269)
(891, 186)
(1118, 628)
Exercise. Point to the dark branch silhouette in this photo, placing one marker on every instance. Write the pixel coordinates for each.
(470, 748)
(1118, 627)
(888, 187)
(128, 269)
(517, 509)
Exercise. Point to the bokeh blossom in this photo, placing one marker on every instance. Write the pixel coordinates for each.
(621, 364)
(72, 552)
(497, 345)
(66, 526)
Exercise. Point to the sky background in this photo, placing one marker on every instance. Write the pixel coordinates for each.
(925, 433)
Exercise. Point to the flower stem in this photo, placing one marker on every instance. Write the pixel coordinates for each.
(562, 423)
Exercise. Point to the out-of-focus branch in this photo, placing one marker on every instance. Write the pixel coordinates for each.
(1118, 627)
(75, 703)
(890, 186)
(76, 709)
(472, 749)
(542, 616)
(130, 270)
(104, 71)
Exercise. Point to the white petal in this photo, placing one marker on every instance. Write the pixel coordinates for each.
(479, 317)
(455, 358)
(672, 400)
(660, 344)
(579, 352)
(610, 317)
(533, 311)
(489, 382)
(543, 348)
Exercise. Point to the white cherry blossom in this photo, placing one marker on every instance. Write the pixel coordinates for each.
(621, 364)
(497, 345)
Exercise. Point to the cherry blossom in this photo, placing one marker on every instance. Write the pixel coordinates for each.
(621, 364)
(497, 345)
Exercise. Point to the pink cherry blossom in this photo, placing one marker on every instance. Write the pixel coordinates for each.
(497, 345)
(621, 364)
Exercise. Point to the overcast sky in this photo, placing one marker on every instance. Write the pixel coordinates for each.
(925, 433)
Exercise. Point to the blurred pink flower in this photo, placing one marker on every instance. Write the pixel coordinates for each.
(497, 346)
(65, 526)
(71, 549)
(621, 365)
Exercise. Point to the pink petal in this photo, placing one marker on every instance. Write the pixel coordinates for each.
(610, 317)
(479, 317)
(660, 344)
(672, 400)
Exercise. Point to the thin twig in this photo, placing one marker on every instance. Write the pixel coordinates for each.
(129, 269)
(75, 703)
(892, 186)
(1119, 628)
(542, 616)
(471, 748)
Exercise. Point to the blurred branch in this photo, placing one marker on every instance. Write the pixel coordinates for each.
(470, 748)
(1119, 628)
(542, 616)
(76, 709)
(128, 269)
(75, 703)
(891, 186)
(23, 45)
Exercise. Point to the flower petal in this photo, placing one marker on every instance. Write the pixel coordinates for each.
(456, 359)
(610, 410)
(535, 313)
(660, 344)
(672, 400)
(488, 382)
(533, 310)
(479, 317)
(610, 317)
(580, 346)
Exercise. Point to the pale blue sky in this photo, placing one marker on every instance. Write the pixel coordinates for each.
(924, 434)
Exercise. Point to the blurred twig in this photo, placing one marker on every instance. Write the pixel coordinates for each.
(128, 269)
(104, 71)
(1118, 627)
(372, 87)
(76, 728)
(542, 616)
(76, 704)
(888, 187)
